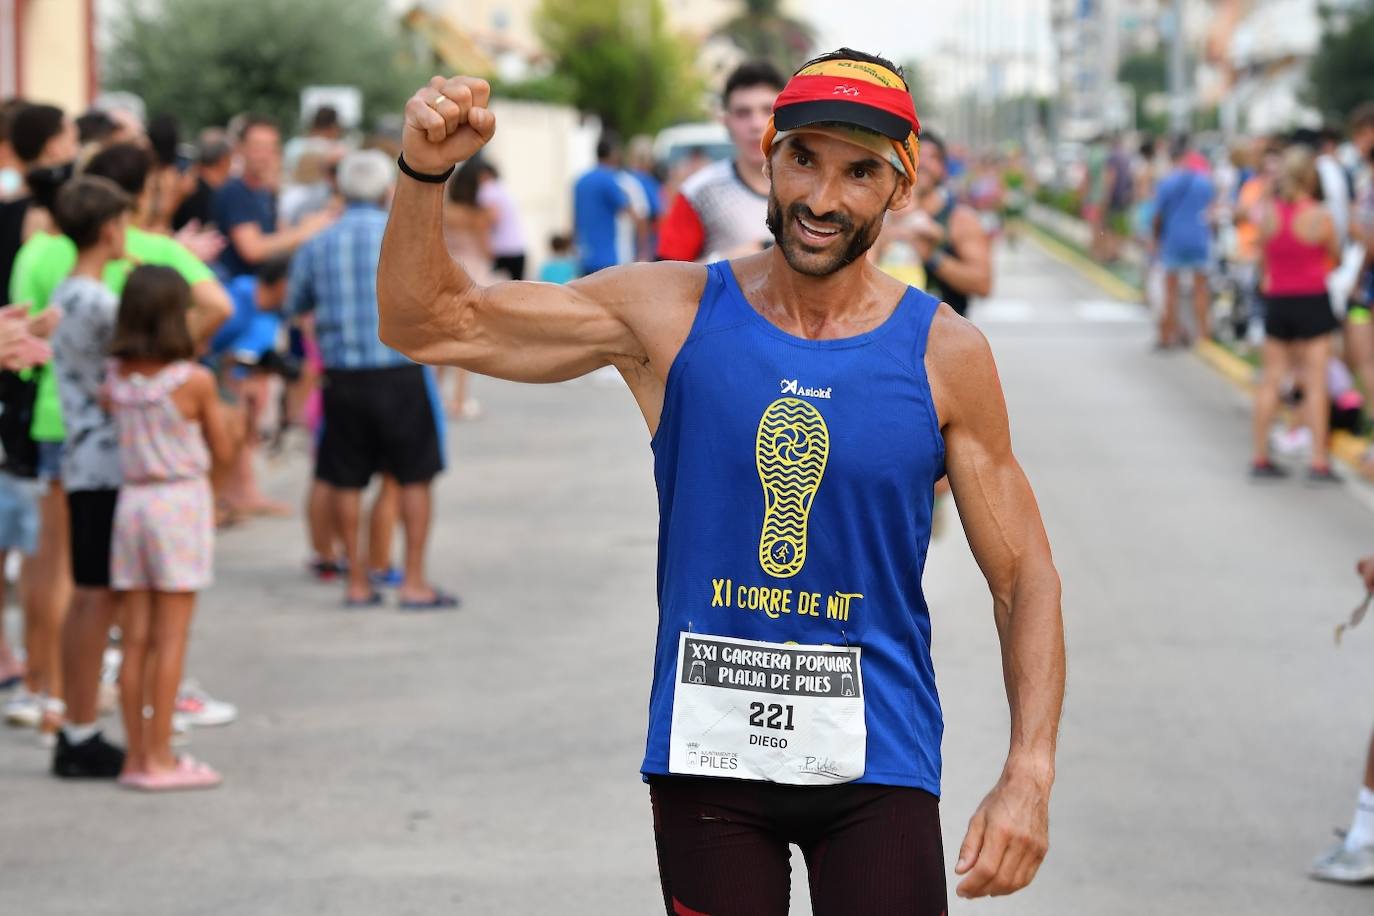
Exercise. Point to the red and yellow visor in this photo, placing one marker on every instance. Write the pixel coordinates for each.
(854, 93)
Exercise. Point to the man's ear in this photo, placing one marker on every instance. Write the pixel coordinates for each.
(901, 195)
(110, 233)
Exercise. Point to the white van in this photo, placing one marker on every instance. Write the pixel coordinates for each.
(673, 144)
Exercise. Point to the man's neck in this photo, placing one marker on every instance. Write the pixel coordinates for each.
(822, 307)
(751, 173)
(91, 263)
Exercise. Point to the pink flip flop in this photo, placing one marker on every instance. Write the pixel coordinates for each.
(189, 774)
(131, 780)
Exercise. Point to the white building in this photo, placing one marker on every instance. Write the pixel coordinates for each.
(1269, 53)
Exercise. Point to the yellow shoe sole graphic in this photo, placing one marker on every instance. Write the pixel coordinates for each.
(793, 445)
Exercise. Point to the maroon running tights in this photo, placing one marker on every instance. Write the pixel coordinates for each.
(723, 847)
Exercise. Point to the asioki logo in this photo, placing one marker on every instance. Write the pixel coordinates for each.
(792, 386)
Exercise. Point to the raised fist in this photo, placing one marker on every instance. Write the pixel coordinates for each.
(447, 122)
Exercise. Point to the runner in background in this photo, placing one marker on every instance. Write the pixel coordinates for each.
(950, 239)
(720, 211)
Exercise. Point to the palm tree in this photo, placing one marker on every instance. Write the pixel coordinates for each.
(763, 30)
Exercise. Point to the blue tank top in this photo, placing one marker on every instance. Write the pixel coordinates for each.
(846, 514)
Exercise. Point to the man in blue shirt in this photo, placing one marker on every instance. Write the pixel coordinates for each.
(249, 334)
(603, 211)
(1184, 239)
(246, 207)
(379, 415)
(252, 330)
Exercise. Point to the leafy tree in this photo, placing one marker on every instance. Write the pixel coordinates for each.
(207, 60)
(622, 64)
(919, 87)
(763, 30)
(1147, 74)
(1341, 76)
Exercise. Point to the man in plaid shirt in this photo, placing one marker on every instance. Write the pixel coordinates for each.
(379, 412)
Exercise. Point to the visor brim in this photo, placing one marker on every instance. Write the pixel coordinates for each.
(840, 111)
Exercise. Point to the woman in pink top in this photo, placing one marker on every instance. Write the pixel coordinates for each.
(1299, 246)
(167, 410)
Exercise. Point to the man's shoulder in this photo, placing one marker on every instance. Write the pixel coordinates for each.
(144, 246)
(954, 341)
(654, 283)
(594, 176)
(231, 189)
(43, 247)
(165, 251)
(716, 174)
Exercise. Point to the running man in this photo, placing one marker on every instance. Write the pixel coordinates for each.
(802, 405)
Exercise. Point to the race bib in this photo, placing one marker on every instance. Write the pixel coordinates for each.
(745, 709)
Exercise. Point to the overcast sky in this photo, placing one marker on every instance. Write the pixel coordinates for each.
(897, 29)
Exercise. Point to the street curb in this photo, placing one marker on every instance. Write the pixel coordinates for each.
(1230, 366)
(1104, 278)
(1346, 448)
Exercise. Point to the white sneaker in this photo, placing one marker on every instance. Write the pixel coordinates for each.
(1344, 865)
(1291, 442)
(24, 709)
(200, 709)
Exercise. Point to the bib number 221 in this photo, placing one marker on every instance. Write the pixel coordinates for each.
(771, 715)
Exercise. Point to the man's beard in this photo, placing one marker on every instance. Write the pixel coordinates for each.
(793, 249)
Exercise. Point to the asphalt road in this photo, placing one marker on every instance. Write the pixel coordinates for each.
(485, 761)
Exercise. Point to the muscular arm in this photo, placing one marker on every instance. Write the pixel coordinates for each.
(1008, 836)
(969, 270)
(431, 309)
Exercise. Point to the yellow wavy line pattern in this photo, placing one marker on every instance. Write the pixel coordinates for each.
(792, 448)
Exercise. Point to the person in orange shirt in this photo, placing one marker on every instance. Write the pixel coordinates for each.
(1263, 159)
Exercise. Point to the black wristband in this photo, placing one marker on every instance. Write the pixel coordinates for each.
(422, 176)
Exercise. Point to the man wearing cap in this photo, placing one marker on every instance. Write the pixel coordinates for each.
(801, 405)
